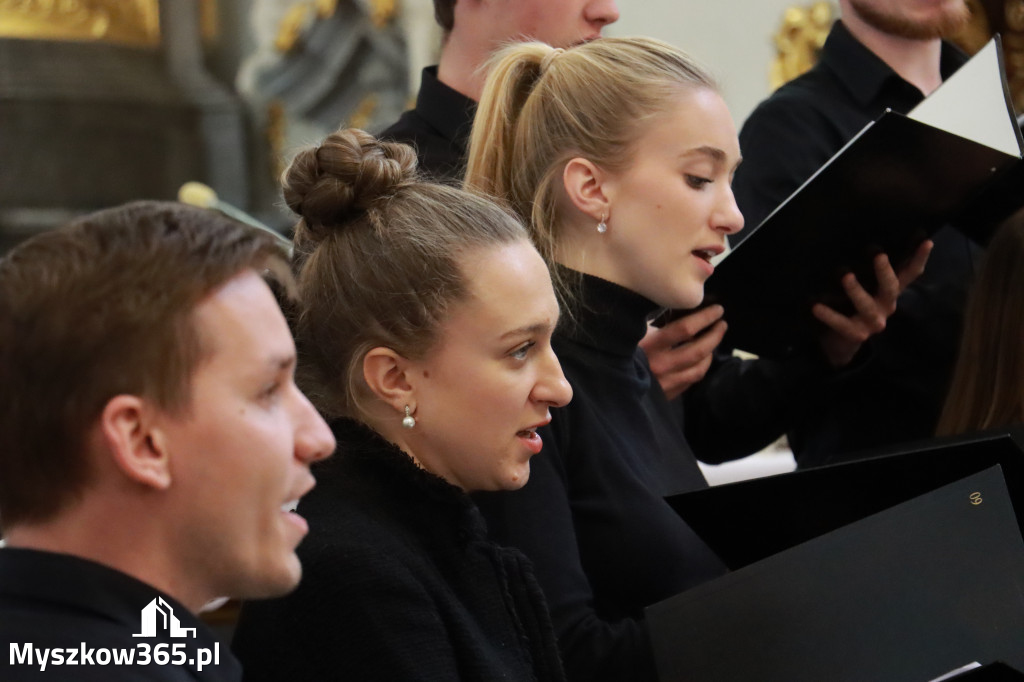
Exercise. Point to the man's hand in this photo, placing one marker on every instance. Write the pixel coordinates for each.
(845, 335)
(680, 352)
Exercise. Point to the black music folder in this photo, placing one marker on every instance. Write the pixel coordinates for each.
(993, 672)
(910, 593)
(750, 520)
(899, 180)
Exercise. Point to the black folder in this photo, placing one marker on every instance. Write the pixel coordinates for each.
(887, 190)
(905, 595)
(993, 672)
(750, 520)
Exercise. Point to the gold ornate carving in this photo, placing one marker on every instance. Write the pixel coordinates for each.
(360, 118)
(125, 22)
(798, 41)
(301, 15)
(297, 18)
(382, 12)
(129, 22)
(209, 24)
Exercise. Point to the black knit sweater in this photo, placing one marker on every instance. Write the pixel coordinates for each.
(400, 583)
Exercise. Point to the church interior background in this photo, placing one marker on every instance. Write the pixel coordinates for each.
(105, 101)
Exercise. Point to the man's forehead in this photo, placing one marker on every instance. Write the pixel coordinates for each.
(242, 317)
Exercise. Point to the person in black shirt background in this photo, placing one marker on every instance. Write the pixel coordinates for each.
(438, 127)
(881, 54)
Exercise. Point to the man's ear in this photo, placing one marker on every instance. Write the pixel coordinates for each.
(136, 447)
(387, 373)
(585, 185)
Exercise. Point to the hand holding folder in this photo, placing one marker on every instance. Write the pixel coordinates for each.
(886, 191)
(845, 334)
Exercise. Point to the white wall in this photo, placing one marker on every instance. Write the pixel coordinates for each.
(732, 38)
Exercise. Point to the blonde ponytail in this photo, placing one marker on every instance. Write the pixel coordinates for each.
(542, 107)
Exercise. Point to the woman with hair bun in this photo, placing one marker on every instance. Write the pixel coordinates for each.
(424, 327)
(619, 153)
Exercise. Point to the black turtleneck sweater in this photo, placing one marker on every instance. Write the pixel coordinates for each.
(592, 517)
(399, 583)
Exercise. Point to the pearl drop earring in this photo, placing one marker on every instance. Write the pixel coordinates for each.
(408, 421)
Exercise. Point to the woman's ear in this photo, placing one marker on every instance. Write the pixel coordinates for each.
(387, 374)
(585, 185)
(135, 444)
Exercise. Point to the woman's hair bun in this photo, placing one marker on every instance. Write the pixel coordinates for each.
(338, 180)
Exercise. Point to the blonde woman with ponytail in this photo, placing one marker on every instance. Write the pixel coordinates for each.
(423, 329)
(619, 154)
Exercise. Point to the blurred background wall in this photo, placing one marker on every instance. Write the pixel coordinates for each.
(104, 101)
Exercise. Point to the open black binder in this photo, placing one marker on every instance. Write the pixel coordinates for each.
(907, 594)
(993, 672)
(888, 189)
(750, 520)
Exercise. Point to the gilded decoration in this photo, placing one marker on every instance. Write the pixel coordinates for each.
(363, 114)
(302, 15)
(382, 12)
(298, 18)
(128, 22)
(318, 64)
(799, 40)
(135, 23)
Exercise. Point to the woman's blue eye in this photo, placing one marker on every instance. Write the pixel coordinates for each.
(521, 352)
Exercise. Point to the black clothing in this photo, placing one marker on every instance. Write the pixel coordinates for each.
(399, 583)
(794, 132)
(898, 395)
(438, 128)
(592, 517)
(742, 406)
(58, 601)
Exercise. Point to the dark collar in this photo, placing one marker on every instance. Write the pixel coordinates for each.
(363, 450)
(65, 582)
(865, 74)
(447, 110)
(606, 316)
